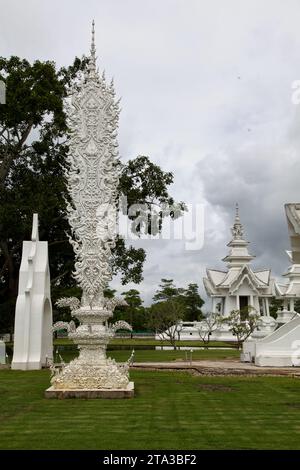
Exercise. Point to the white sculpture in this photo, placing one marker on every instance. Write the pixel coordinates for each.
(33, 321)
(280, 346)
(92, 177)
(2, 352)
(121, 325)
(62, 325)
(290, 292)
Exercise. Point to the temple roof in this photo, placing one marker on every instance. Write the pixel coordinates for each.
(220, 281)
(264, 276)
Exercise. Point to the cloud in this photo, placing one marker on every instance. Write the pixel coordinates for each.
(206, 93)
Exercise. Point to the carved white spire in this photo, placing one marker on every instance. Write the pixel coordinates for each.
(92, 177)
(92, 181)
(91, 69)
(237, 230)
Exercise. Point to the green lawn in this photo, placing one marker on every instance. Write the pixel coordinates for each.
(161, 356)
(152, 342)
(68, 351)
(171, 410)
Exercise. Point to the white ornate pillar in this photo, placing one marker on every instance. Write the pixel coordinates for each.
(92, 176)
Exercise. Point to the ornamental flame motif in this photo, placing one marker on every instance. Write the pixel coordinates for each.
(92, 176)
(92, 181)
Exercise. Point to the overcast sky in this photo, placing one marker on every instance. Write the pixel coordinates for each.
(206, 89)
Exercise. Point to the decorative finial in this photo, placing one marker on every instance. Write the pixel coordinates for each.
(92, 61)
(237, 229)
(93, 47)
(237, 215)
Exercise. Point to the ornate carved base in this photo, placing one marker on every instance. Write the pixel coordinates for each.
(88, 375)
(127, 392)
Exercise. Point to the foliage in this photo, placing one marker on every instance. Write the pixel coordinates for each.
(165, 318)
(134, 312)
(193, 303)
(147, 201)
(167, 291)
(207, 325)
(275, 305)
(188, 297)
(242, 323)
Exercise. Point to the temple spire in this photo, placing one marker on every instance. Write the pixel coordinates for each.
(93, 47)
(92, 59)
(237, 230)
(237, 214)
(239, 254)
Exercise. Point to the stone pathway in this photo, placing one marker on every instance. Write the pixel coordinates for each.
(221, 368)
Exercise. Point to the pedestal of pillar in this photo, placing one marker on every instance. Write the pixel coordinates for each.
(127, 392)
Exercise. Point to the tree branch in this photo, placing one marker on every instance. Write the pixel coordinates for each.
(57, 242)
(59, 277)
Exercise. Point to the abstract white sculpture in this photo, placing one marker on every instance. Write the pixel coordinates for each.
(282, 347)
(2, 352)
(33, 321)
(93, 177)
(290, 292)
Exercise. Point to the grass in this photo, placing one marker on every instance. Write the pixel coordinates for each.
(152, 342)
(162, 356)
(170, 411)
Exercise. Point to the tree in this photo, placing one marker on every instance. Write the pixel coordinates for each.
(193, 303)
(167, 291)
(134, 312)
(165, 319)
(32, 124)
(189, 298)
(207, 325)
(275, 305)
(33, 151)
(242, 323)
(147, 201)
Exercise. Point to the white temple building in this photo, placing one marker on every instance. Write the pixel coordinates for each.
(239, 286)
